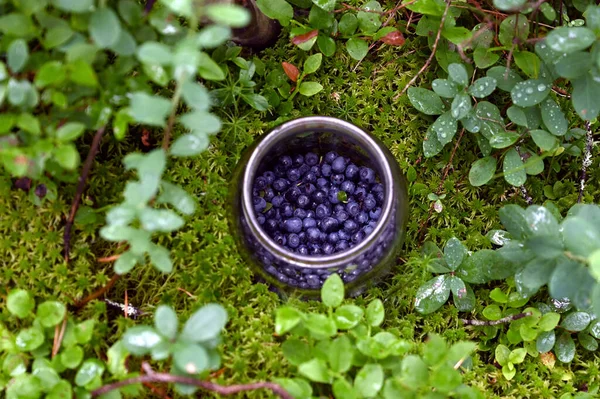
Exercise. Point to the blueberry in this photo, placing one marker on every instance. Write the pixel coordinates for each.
(348, 187)
(319, 197)
(303, 201)
(300, 213)
(380, 197)
(353, 208)
(311, 159)
(292, 194)
(255, 192)
(338, 165)
(341, 245)
(312, 280)
(323, 236)
(293, 240)
(322, 211)
(297, 160)
(377, 188)
(375, 213)
(271, 225)
(333, 237)
(293, 175)
(367, 175)
(303, 169)
(337, 179)
(332, 195)
(279, 170)
(341, 216)
(260, 183)
(369, 202)
(338, 207)
(308, 188)
(313, 234)
(343, 235)
(277, 201)
(326, 170)
(302, 237)
(368, 230)
(350, 226)
(322, 182)
(261, 219)
(279, 238)
(269, 194)
(302, 250)
(309, 222)
(328, 248)
(363, 185)
(269, 176)
(352, 171)
(330, 156)
(286, 161)
(358, 236)
(259, 204)
(280, 185)
(329, 224)
(362, 218)
(315, 250)
(292, 225)
(360, 193)
(287, 210)
(310, 177)
(272, 214)
(316, 169)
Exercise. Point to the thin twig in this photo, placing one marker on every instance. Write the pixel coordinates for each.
(433, 49)
(587, 159)
(503, 320)
(108, 259)
(126, 308)
(152, 376)
(87, 166)
(58, 336)
(171, 122)
(99, 292)
(187, 292)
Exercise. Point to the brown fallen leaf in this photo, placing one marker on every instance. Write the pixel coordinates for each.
(291, 71)
(548, 359)
(299, 39)
(394, 39)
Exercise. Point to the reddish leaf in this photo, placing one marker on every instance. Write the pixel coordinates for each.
(304, 37)
(393, 39)
(291, 71)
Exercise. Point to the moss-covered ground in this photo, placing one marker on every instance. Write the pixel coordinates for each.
(208, 267)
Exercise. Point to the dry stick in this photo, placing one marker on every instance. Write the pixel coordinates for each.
(108, 259)
(87, 166)
(59, 337)
(503, 320)
(99, 292)
(152, 376)
(433, 49)
(439, 189)
(587, 159)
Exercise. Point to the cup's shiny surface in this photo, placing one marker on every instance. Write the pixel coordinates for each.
(360, 266)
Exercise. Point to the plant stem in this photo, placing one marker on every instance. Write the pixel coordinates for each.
(151, 376)
(587, 159)
(171, 122)
(503, 320)
(99, 292)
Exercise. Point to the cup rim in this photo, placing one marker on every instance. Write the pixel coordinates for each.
(292, 128)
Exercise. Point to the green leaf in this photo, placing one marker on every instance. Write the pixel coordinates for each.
(228, 14)
(513, 27)
(444, 88)
(514, 220)
(517, 356)
(149, 110)
(105, 27)
(117, 356)
(140, 340)
(548, 321)
(553, 117)
(428, 7)
(310, 88)
(296, 351)
(513, 169)
(509, 5)
(17, 55)
(432, 295)
(357, 48)
(320, 325)
(580, 236)
(71, 357)
(20, 303)
(178, 197)
(208, 68)
(462, 294)
(201, 122)
(70, 131)
(297, 387)
(369, 380)
(160, 258)
(126, 262)
(24, 386)
(84, 331)
(502, 354)
(529, 63)
(565, 348)
(312, 63)
(189, 145)
(342, 388)
(497, 295)
(280, 10)
(492, 312)
(50, 313)
(587, 342)
(58, 36)
(504, 139)
(505, 80)
(458, 74)
(332, 292)
(18, 25)
(483, 87)
(431, 144)
(577, 321)
(14, 365)
(517, 116)
(348, 24)
(454, 253)
(425, 101)
(570, 39)
(537, 273)
(529, 92)
(67, 156)
(482, 171)
(82, 73)
(584, 96)
(326, 45)
(90, 370)
(369, 21)
(484, 58)
(461, 106)
(51, 73)
(375, 313)
(213, 36)
(315, 370)
(445, 379)
(544, 140)
(29, 123)
(163, 220)
(165, 321)
(29, 339)
(445, 126)
(155, 53)
(341, 354)
(545, 341)
(348, 316)
(413, 371)
(191, 358)
(205, 324)
(74, 6)
(196, 96)
(574, 65)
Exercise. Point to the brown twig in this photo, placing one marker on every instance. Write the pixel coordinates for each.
(126, 308)
(168, 130)
(59, 333)
(99, 292)
(187, 292)
(108, 259)
(587, 159)
(152, 376)
(433, 49)
(87, 166)
(503, 320)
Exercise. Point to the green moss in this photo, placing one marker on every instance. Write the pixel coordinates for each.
(208, 267)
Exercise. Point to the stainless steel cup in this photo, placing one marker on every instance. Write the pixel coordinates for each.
(361, 266)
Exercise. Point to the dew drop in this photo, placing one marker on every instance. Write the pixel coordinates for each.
(529, 90)
(541, 87)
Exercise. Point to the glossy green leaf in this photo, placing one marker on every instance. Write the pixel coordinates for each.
(17, 55)
(445, 126)
(20, 303)
(553, 117)
(515, 26)
(89, 370)
(201, 122)
(584, 96)
(162, 220)
(504, 139)
(191, 358)
(565, 348)
(509, 5)
(580, 236)
(342, 388)
(296, 351)
(310, 88)
(208, 69)
(425, 101)
(84, 331)
(228, 14)
(70, 131)
(574, 65)
(528, 62)
(140, 340)
(544, 140)
(577, 321)
(50, 313)
(357, 48)
(29, 339)
(348, 316)
(315, 370)
(332, 292)
(189, 145)
(205, 324)
(484, 58)
(537, 273)
(505, 80)
(312, 63)
(570, 39)
(280, 10)
(155, 53)
(126, 262)
(458, 74)
(25, 386)
(326, 45)
(432, 295)
(341, 354)
(71, 357)
(178, 197)
(545, 341)
(483, 87)
(348, 24)
(320, 325)
(150, 110)
(462, 294)
(587, 342)
(375, 313)
(492, 312)
(482, 171)
(513, 169)
(117, 356)
(454, 253)
(165, 321)
(444, 88)
(461, 106)
(369, 380)
(105, 27)
(529, 92)
(74, 6)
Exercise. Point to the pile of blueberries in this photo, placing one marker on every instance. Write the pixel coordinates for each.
(314, 205)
